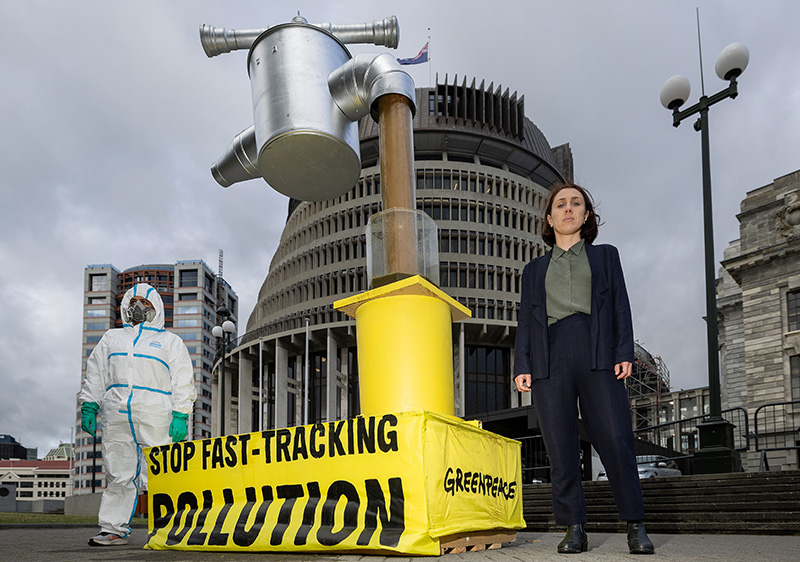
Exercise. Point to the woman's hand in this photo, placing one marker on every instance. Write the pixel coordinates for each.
(623, 370)
(523, 382)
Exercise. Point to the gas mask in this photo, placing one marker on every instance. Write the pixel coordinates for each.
(140, 312)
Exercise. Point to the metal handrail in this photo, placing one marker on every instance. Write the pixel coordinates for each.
(746, 434)
(785, 431)
(532, 468)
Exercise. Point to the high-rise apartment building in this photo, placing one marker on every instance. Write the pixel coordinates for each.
(191, 292)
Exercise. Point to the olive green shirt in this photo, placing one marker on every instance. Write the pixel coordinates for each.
(568, 283)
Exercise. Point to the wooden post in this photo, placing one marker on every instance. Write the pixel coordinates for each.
(398, 187)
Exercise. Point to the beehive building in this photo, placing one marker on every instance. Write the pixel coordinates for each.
(483, 171)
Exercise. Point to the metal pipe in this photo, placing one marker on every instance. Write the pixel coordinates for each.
(306, 401)
(357, 84)
(398, 189)
(94, 461)
(219, 40)
(71, 459)
(238, 162)
(379, 32)
(222, 388)
(714, 391)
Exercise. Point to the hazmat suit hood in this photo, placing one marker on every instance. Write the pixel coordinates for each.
(151, 294)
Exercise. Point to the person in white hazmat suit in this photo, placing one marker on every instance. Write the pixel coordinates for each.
(140, 379)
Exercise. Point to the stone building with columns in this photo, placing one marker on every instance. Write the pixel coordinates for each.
(758, 298)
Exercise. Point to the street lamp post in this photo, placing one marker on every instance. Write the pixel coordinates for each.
(223, 335)
(716, 452)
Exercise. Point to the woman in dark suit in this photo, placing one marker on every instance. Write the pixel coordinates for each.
(574, 347)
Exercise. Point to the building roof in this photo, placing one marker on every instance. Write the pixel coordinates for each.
(62, 452)
(40, 465)
(474, 120)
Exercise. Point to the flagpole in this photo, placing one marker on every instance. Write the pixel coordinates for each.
(429, 59)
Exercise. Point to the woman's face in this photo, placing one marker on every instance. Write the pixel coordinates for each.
(568, 212)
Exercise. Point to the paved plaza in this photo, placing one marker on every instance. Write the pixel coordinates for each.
(67, 544)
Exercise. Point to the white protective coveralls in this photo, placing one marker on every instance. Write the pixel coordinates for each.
(138, 375)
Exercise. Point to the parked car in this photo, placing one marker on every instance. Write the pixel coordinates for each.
(651, 466)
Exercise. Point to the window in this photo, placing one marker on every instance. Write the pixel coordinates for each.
(291, 409)
(353, 403)
(793, 310)
(98, 282)
(96, 326)
(319, 387)
(96, 312)
(794, 373)
(97, 300)
(187, 309)
(188, 278)
(487, 374)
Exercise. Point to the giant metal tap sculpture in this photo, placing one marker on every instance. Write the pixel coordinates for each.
(308, 94)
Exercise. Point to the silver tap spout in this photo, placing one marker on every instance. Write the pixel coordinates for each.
(238, 162)
(379, 32)
(219, 40)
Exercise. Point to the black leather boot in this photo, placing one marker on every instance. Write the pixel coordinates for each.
(575, 540)
(638, 541)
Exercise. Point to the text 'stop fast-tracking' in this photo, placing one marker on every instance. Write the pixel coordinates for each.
(334, 439)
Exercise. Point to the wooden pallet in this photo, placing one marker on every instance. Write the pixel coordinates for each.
(476, 540)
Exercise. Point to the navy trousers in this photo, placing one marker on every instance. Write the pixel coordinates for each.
(606, 417)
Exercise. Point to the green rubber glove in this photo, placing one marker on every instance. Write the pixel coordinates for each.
(178, 428)
(89, 417)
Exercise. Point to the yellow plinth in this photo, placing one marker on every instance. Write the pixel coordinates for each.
(405, 346)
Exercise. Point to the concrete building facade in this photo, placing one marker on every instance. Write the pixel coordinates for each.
(10, 448)
(191, 292)
(36, 480)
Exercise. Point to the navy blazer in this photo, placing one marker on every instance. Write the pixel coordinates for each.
(610, 320)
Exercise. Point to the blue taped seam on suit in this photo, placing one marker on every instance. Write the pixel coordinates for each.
(138, 458)
(139, 335)
(167, 392)
(143, 356)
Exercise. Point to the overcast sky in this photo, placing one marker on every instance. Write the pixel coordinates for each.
(111, 115)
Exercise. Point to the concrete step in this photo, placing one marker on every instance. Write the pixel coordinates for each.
(760, 503)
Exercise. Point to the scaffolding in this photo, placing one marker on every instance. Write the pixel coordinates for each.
(650, 380)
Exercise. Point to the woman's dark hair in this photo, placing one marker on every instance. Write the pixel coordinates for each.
(589, 228)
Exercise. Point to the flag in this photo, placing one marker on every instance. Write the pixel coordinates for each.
(421, 57)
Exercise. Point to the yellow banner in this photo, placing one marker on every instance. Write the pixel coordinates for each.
(369, 484)
(473, 477)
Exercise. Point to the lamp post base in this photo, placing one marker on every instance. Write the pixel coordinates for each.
(716, 453)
